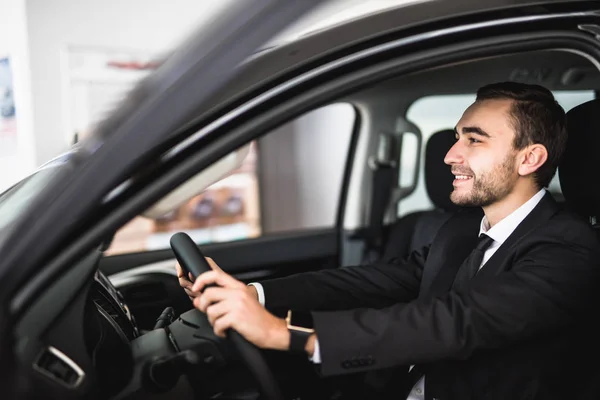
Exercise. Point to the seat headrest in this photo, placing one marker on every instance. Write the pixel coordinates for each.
(438, 178)
(580, 166)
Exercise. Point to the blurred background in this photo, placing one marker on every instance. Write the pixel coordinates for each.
(65, 64)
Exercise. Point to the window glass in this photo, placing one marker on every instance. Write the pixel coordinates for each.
(435, 113)
(410, 146)
(290, 181)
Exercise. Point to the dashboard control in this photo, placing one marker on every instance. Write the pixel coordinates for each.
(56, 365)
(162, 374)
(165, 318)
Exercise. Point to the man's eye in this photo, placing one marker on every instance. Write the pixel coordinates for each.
(473, 140)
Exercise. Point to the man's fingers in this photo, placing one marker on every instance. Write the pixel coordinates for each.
(223, 324)
(212, 295)
(207, 278)
(191, 295)
(216, 311)
(185, 283)
(213, 264)
(215, 277)
(180, 273)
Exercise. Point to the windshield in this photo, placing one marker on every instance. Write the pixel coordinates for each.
(15, 200)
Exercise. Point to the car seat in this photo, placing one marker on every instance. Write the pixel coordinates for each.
(578, 170)
(416, 230)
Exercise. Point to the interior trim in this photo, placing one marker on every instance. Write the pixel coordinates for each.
(137, 275)
(131, 276)
(270, 249)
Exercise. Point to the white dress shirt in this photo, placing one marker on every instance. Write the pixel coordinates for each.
(499, 233)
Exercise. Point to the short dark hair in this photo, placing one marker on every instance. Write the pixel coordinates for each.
(537, 118)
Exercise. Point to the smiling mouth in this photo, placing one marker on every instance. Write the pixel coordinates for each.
(461, 179)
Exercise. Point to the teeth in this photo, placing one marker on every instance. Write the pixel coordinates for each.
(462, 177)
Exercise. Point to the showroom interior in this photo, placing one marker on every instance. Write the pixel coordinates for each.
(66, 64)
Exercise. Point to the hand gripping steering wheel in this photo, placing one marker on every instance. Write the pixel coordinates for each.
(192, 260)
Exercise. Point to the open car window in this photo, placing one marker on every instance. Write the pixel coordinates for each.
(290, 181)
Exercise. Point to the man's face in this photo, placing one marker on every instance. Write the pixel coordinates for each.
(483, 159)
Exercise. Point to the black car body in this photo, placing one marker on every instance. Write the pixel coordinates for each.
(214, 94)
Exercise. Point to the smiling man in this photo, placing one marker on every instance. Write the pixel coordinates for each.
(505, 316)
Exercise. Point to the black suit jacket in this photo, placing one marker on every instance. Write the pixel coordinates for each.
(524, 328)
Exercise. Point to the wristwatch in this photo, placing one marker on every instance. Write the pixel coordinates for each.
(298, 335)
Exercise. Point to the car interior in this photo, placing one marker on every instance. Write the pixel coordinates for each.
(382, 108)
(137, 294)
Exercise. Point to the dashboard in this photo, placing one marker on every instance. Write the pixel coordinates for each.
(81, 340)
(127, 360)
(111, 305)
(109, 328)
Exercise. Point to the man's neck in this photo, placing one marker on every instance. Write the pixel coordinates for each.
(496, 212)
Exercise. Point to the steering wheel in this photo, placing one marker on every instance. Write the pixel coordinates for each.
(192, 260)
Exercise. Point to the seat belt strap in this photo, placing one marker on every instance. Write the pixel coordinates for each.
(380, 198)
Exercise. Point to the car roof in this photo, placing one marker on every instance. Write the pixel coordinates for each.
(311, 42)
(334, 13)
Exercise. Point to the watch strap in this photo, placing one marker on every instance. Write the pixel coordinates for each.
(298, 335)
(298, 339)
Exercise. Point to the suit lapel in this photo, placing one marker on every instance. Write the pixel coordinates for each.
(456, 241)
(543, 211)
(459, 238)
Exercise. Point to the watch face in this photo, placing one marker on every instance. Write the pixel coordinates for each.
(301, 319)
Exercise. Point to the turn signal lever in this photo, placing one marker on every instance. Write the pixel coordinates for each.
(165, 318)
(163, 373)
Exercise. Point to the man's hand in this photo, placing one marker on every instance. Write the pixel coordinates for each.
(186, 282)
(234, 305)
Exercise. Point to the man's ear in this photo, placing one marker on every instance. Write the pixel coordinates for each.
(533, 157)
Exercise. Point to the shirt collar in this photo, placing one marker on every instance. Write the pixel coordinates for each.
(503, 229)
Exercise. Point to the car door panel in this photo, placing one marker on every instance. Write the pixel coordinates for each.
(149, 284)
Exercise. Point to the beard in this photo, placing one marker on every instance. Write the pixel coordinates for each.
(489, 187)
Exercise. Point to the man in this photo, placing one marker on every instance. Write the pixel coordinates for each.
(506, 315)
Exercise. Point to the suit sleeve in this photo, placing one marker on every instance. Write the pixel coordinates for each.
(376, 285)
(548, 288)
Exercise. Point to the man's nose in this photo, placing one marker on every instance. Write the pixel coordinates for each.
(454, 155)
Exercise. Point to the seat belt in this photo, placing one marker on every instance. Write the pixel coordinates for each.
(385, 189)
(383, 182)
(385, 175)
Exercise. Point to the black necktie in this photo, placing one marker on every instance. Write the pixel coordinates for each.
(467, 270)
(472, 263)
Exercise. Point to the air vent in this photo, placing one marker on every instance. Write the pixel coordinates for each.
(109, 305)
(57, 366)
